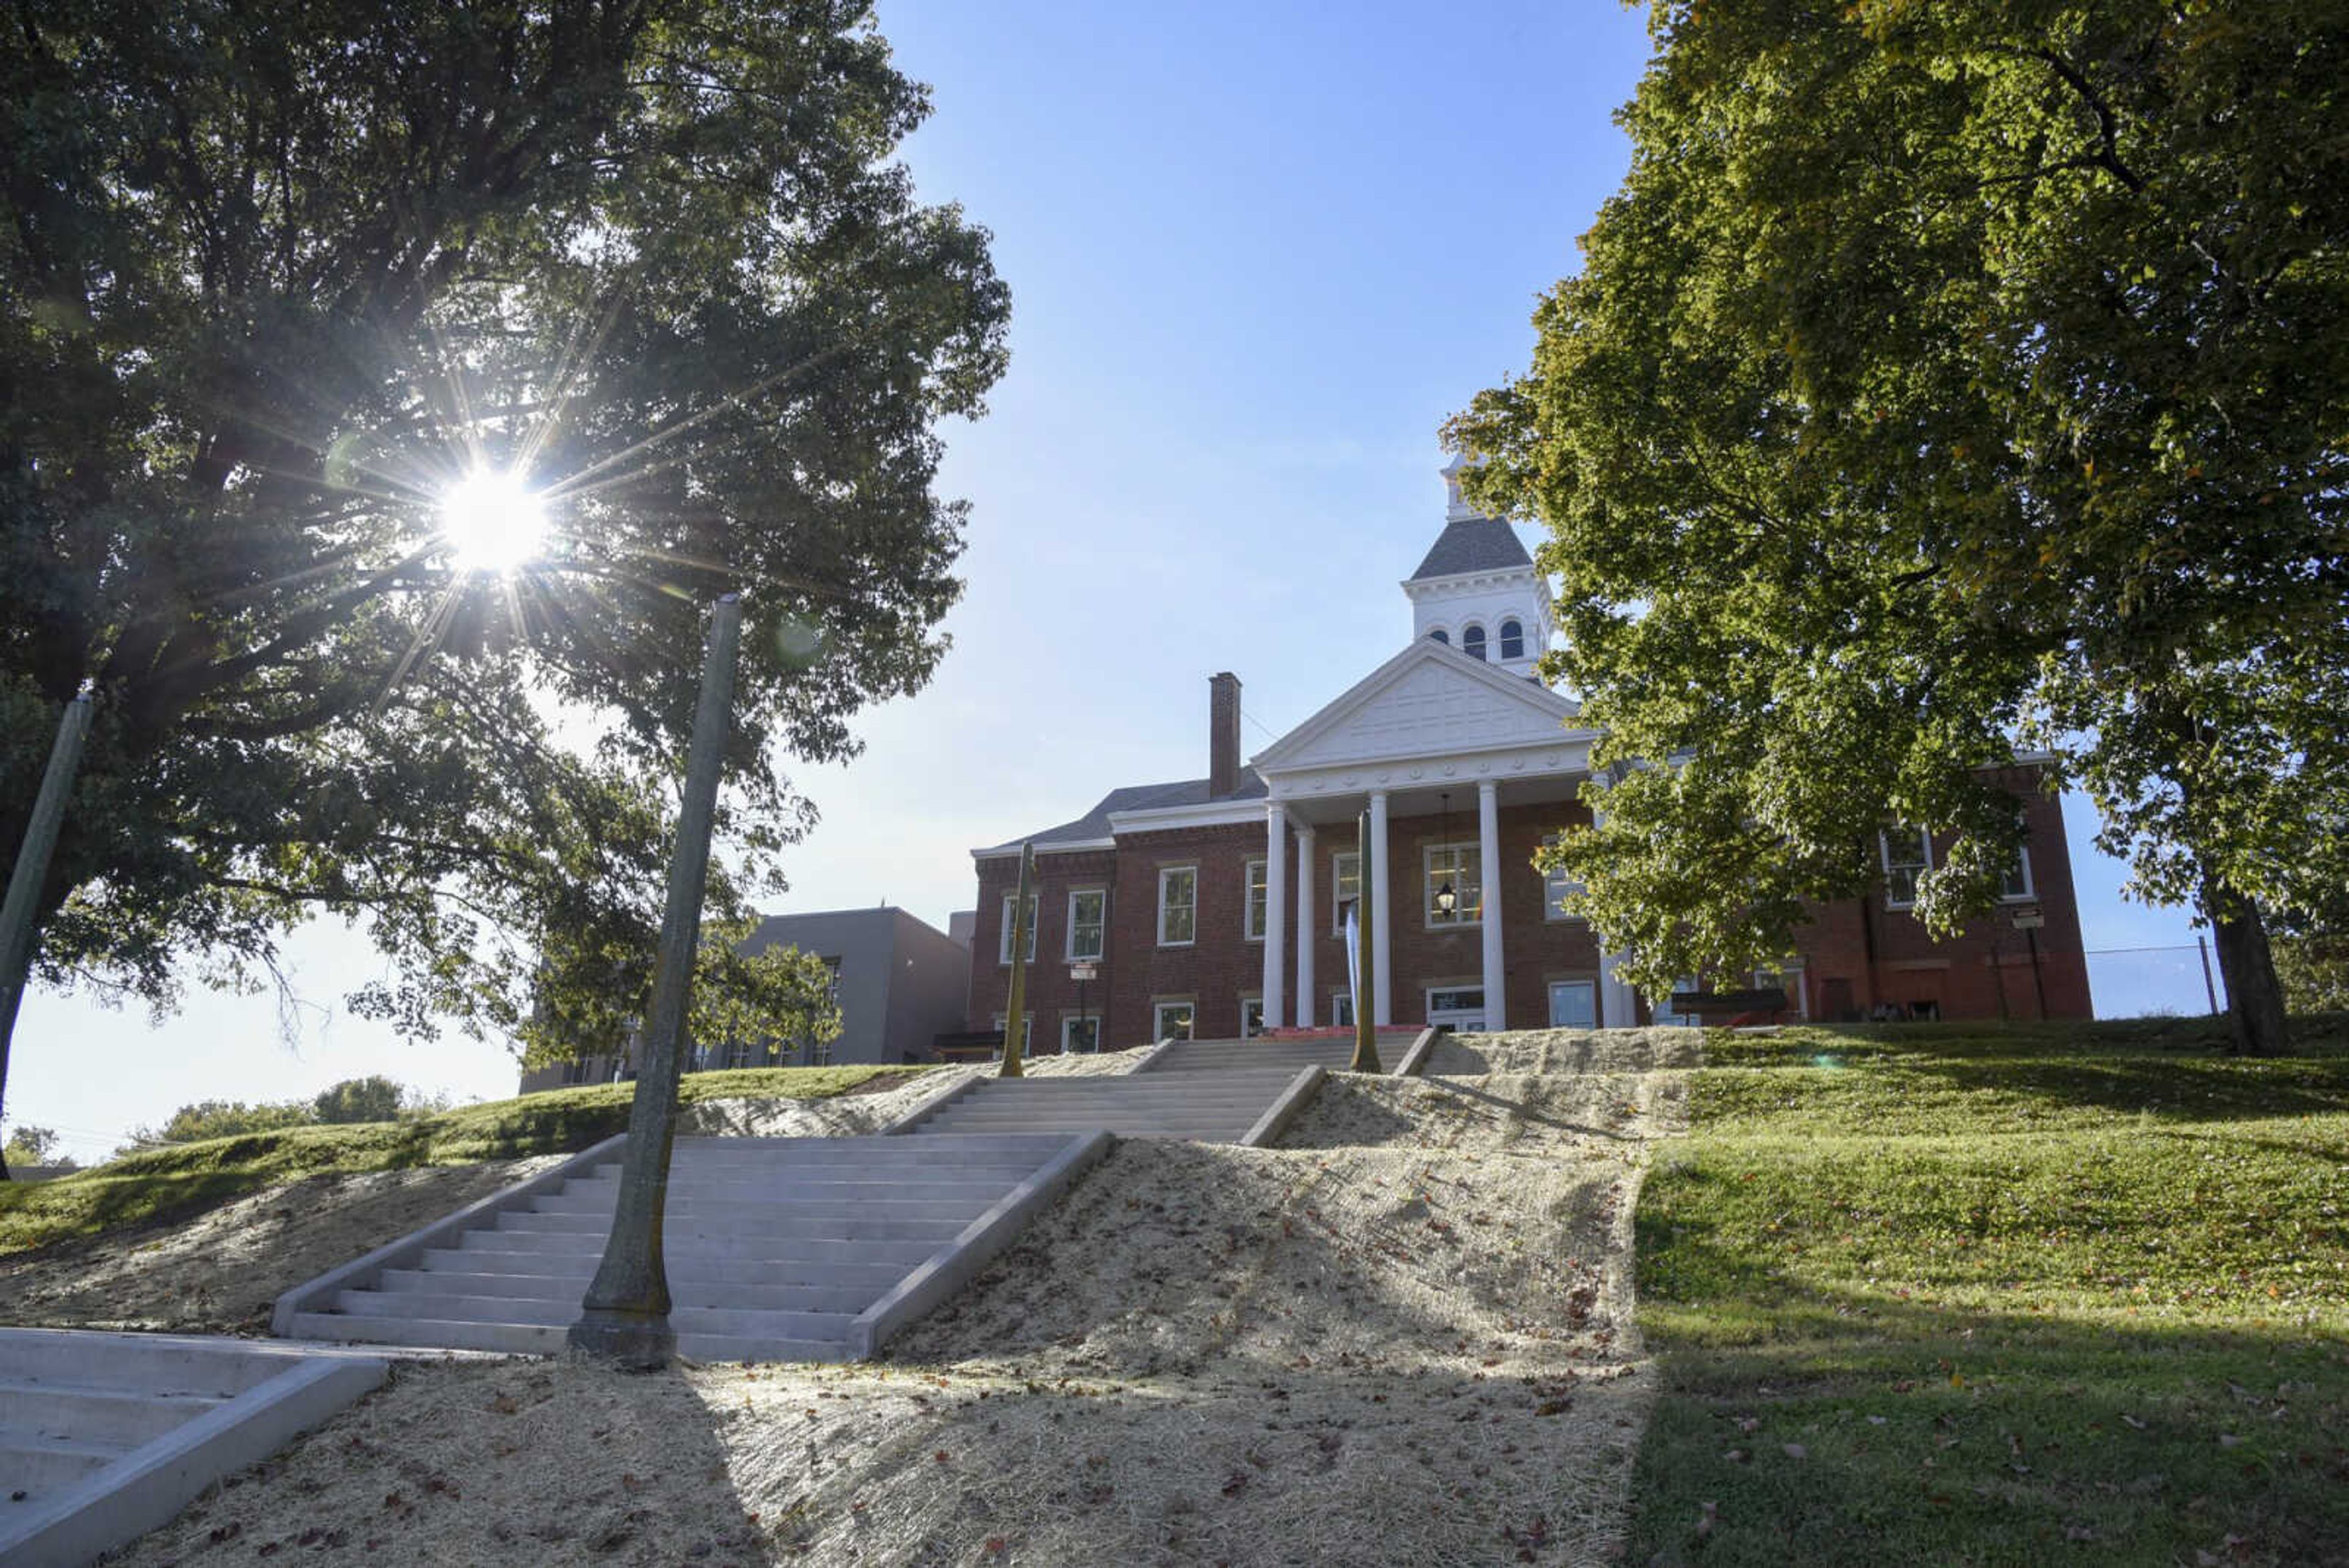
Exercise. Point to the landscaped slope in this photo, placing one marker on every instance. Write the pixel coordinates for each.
(202, 1236)
(1401, 1337)
(1952, 1295)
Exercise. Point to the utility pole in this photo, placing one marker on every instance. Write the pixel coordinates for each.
(1015, 1006)
(41, 832)
(624, 1315)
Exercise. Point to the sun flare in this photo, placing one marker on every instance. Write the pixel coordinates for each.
(492, 521)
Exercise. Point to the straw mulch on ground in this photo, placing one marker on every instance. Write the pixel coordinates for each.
(1402, 1337)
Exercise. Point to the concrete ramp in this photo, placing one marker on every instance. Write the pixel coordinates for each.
(103, 1437)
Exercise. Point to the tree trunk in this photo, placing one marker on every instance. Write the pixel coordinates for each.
(2255, 1015)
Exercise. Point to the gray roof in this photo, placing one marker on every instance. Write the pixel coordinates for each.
(1473, 545)
(1094, 824)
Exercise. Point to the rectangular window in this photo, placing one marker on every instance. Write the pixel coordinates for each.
(1171, 1021)
(1456, 867)
(1257, 901)
(1345, 887)
(1556, 887)
(1251, 1017)
(1080, 1034)
(1342, 1009)
(1908, 855)
(1003, 940)
(1027, 1030)
(1574, 1004)
(2015, 886)
(1178, 907)
(1087, 912)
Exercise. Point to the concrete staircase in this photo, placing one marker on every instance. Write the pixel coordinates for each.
(1221, 1107)
(103, 1436)
(777, 1249)
(1331, 1054)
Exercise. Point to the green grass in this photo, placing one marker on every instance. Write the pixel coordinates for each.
(2045, 1294)
(166, 1184)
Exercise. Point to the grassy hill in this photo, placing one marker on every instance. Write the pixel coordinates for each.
(167, 1183)
(1944, 1294)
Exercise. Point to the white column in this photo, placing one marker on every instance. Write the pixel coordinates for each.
(1374, 868)
(1307, 931)
(1488, 876)
(1275, 910)
(1618, 1005)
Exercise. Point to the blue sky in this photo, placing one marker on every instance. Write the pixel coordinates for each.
(1258, 253)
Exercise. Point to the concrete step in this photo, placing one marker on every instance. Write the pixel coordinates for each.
(1163, 1121)
(139, 1364)
(700, 1211)
(714, 1347)
(797, 1193)
(841, 1152)
(887, 1265)
(681, 1229)
(540, 1339)
(758, 1323)
(104, 1415)
(36, 1465)
(589, 1245)
(850, 1296)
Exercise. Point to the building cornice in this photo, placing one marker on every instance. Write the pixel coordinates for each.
(1071, 846)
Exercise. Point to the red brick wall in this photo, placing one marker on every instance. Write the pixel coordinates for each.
(1221, 966)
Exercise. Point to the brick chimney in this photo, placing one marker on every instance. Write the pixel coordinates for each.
(1222, 735)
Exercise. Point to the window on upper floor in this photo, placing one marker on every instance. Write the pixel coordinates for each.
(1256, 901)
(1003, 938)
(1178, 906)
(1471, 640)
(1086, 909)
(1440, 635)
(1345, 887)
(1908, 855)
(1513, 640)
(1556, 886)
(2015, 886)
(1460, 868)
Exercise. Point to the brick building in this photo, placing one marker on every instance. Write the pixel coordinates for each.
(1213, 906)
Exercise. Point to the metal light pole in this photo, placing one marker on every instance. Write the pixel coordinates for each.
(1366, 1029)
(625, 1314)
(41, 831)
(1015, 1005)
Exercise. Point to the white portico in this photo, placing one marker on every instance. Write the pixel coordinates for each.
(1455, 727)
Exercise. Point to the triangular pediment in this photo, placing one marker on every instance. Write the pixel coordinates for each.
(1428, 700)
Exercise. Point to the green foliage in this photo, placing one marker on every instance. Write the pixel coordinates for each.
(1946, 378)
(778, 994)
(224, 1119)
(2077, 1298)
(281, 277)
(33, 1145)
(2313, 972)
(369, 1099)
(175, 1181)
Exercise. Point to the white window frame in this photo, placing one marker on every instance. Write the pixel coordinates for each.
(1159, 1010)
(1892, 900)
(1248, 1000)
(1481, 646)
(1464, 915)
(1166, 873)
(1501, 638)
(1555, 885)
(1256, 900)
(1069, 1046)
(1338, 900)
(1101, 924)
(2030, 893)
(1003, 937)
(1342, 1000)
(1027, 1030)
(1549, 998)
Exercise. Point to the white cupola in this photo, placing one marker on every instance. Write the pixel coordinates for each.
(1478, 588)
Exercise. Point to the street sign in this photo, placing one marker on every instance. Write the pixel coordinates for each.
(1083, 972)
(2029, 918)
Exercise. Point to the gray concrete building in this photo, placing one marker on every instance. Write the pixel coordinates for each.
(901, 982)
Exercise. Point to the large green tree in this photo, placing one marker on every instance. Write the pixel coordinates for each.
(1948, 380)
(273, 278)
